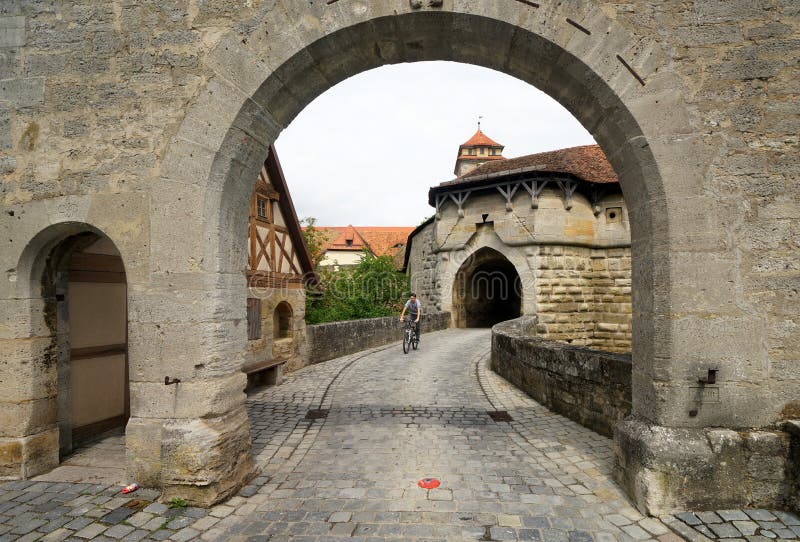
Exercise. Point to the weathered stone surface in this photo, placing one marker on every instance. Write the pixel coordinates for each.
(669, 470)
(12, 31)
(588, 386)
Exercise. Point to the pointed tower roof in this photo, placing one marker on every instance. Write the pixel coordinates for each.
(478, 150)
(481, 140)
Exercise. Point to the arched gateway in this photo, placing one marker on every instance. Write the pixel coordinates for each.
(486, 290)
(158, 141)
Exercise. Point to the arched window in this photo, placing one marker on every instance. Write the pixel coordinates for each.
(282, 320)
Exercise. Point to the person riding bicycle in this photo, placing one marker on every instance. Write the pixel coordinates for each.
(414, 308)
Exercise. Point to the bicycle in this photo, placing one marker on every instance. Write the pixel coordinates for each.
(410, 337)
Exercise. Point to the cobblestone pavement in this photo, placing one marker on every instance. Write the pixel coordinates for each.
(736, 525)
(392, 419)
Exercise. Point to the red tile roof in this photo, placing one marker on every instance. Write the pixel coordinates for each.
(587, 163)
(386, 240)
(480, 139)
(380, 240)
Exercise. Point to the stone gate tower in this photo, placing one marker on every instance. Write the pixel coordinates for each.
(545, 234)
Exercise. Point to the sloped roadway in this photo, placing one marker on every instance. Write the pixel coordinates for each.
(385, 420)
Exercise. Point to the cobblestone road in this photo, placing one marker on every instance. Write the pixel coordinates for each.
(392, 420)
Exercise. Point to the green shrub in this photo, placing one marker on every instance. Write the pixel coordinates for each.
(370, 289)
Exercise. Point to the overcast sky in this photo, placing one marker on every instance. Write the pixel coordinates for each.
(366, 151)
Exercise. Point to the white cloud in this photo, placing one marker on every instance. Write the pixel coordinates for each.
(366, 151)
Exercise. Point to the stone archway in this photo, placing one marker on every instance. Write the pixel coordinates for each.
(182, 130)
(487, 290)
(72, 282)
(607, 77)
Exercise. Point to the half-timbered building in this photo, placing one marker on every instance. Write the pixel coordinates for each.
(279, 267)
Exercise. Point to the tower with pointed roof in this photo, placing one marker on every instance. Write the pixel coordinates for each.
(477, 151)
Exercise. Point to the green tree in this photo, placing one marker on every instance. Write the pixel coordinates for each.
(316, 239)
(370, 289)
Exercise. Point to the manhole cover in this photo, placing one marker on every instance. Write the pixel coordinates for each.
(500, 415)
(317, 413)
(428, 483)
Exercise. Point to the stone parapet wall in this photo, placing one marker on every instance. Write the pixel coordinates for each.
(583, 296)
(336, 339)
(591, 387)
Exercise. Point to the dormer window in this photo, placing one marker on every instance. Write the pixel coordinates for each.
(349, 242)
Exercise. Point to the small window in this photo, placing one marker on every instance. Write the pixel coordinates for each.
(613, 215)
(253, 318)
(349, 242)
(282, 321)
(261, 207)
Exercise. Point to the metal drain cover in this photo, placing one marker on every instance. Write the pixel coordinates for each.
(500, 415)
(317, 413)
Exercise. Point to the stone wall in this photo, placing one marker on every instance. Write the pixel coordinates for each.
(588, 386)
(583, 296)
(336, 339)
(268, 347)
(422, 265)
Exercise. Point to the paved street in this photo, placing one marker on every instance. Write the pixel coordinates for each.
(394, 419)
(384, 421)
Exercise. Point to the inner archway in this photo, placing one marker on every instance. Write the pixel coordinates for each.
(487, 290)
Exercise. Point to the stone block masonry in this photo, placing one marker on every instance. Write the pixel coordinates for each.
(336, 339)
(583, 296)
(588, 386)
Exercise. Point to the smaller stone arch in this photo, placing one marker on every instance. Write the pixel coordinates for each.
(487, 290)
(70, 366)
(282, 321)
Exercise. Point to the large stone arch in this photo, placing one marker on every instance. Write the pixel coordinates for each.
(615, 83)
(176, 150)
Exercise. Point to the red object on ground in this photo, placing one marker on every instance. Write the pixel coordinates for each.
(428, 483)
(131, 488)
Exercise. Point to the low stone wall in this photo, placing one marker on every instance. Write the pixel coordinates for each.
(336, 339)
(588, 386)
